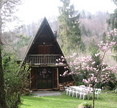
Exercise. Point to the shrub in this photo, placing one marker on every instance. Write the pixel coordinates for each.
(15, 80)
(85, 105)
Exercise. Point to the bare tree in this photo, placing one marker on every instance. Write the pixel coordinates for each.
(6, 10)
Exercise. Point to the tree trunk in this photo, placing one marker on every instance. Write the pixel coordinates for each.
(2, 91)
(3, 103)
(93, 97)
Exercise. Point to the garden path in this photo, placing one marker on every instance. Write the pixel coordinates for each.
(46, 93)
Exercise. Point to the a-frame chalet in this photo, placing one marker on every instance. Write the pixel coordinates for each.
(42, 55)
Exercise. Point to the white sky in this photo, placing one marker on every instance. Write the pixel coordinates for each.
(33, 10)
(94, 5)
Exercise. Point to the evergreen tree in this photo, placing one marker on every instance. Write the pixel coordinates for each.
(115, 1)
(113, 17)
(113, 20)
(6, 8)
(69, 31)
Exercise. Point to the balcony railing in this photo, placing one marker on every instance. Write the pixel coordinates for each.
(43, 59)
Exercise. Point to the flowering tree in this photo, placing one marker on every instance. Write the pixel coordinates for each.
(92, 68)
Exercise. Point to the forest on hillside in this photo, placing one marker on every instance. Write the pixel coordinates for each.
(89, 32)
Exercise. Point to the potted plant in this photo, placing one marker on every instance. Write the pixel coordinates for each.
(85, 105)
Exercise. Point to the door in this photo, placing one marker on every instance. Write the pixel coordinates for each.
(44, 78)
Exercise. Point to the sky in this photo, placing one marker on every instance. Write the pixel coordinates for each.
(32, 10)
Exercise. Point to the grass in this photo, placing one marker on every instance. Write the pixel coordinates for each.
(106, 100)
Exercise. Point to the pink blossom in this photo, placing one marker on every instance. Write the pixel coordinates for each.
(85, 81)
(62, 57)
(57, 60)
(106, 46)
(93, 63)
(60, 63)
(97, 54)
(65, 73)
(77, 68)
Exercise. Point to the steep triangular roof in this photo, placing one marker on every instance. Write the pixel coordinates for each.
(42, 27)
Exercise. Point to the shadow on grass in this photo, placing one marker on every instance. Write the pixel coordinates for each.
(32, 98)
(26, 105)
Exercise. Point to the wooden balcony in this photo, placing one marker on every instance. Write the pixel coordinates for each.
(43, 59)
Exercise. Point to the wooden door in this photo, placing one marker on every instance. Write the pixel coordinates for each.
(44, 78)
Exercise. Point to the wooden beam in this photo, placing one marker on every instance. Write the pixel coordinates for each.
(45, 55)
(47, 65)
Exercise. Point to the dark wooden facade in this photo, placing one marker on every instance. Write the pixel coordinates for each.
(42, 55)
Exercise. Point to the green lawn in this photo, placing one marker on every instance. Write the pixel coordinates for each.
(106, 100)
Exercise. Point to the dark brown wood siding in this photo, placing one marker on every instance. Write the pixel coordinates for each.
(42, 56)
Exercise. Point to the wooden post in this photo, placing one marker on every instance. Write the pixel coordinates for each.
(30, 80)
(57, 78)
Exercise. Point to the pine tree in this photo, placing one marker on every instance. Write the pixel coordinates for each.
(113, 17)
(115, 1)
(113, 20)
(69, 31)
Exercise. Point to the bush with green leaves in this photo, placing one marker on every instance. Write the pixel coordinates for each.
(16, 79)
